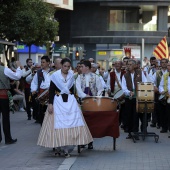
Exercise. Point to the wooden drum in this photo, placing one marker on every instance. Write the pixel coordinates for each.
(145, 91)
(97, 103)
(145, 95)
(140, 107)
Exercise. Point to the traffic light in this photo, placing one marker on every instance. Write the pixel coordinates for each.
(77, 55)
(51, 51)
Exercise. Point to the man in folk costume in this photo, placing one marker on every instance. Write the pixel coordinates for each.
(141, 115)
(159, 106)
(124, 64)
(115, 78)
(88, 84)
(164, 89)
(26, 72)
(94, 67)
(129, 86)
(152, 68)
(57, 65)
(6, 75)
(114, 85)
(76, 74)
(40, 83)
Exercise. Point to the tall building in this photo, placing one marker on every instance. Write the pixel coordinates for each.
(105, 27)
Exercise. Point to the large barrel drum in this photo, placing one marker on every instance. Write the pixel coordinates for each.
(97, 103)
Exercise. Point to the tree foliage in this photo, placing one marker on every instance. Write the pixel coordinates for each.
(27, 21)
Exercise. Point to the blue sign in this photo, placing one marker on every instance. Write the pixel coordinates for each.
(21, 48)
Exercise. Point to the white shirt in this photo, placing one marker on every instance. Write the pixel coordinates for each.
(124, 85)
(161, 86)
(29, 78)
(153, 78)
(80, 92)
(44, 84)
(13, 75)
(26, 73)
(103, 82)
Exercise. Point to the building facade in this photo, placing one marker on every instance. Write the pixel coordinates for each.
(104, 27)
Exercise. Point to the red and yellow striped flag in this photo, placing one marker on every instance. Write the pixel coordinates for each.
(161, 50)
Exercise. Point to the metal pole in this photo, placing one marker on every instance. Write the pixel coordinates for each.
(143, 48)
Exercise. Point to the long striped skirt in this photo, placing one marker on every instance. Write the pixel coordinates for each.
(50, 137)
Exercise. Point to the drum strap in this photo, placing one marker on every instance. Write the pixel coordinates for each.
(117, 81)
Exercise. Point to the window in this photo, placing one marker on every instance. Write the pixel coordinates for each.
(138, 18)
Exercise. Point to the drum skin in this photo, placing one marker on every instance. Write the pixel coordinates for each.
(119, 96)
(96, 103)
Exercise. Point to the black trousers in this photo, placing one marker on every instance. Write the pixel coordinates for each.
(28, 103)
(156, 113)
(5, 117)
(164, 115)
(35, 107)
(42, 110)
(132, 117)
(168, 114)
(122, 113)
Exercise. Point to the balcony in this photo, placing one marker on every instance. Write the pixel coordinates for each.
(132, 27)
(65, 4)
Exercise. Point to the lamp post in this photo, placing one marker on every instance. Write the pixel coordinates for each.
(169, 32)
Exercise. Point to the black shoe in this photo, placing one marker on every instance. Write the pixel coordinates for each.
(11, 142)
(158, 127)
(90, 146)
(122, 126)
(136, 137)
(57, 153)
(129, 136)
(126, 130)
(36, 121)
(152, 125)
(82, 146)
(67, 155)
(29, 118)
(168, 136)
(163, 131)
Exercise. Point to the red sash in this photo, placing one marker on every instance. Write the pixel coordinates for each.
(3, 94)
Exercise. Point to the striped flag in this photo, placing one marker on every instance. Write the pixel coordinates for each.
(161, 50)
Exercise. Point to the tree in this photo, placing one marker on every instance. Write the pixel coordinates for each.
(28, 21)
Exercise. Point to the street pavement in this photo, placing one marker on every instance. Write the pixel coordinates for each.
(26, 155)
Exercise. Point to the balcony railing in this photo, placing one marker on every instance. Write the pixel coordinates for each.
(133, 27)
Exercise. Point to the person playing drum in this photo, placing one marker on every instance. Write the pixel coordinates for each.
(129, 84)
(94, 67)
(41, 82)
(88, 84)
(160, 100)
(114, 86)
(164, 89)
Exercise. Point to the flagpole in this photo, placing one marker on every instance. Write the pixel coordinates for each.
(143, 48)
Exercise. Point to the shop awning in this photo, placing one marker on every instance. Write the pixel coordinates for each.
(6, 42)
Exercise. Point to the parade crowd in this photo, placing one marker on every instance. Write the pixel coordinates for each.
(51, 94)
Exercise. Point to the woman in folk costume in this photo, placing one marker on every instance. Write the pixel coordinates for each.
(63, 124)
